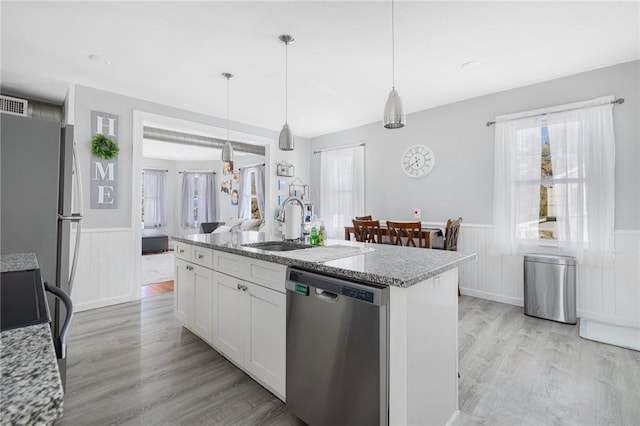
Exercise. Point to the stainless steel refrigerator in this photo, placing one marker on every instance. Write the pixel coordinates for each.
(38, 169)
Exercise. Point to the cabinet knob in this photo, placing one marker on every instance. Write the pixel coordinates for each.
(181, 251)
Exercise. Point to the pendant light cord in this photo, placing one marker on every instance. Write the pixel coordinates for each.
(286, 81)
(393, 47)
(228, 109)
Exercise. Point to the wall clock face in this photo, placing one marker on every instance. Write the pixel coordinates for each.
(417, 161)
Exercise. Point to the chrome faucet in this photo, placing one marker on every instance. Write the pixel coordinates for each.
(280, 217)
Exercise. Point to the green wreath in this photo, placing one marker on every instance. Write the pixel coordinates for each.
(103, 147)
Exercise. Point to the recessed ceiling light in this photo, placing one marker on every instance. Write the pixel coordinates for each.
(471, 65)
(99, 59)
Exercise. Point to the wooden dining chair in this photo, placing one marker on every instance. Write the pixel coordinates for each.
(367, 231)
(451, 237)
(406, 234)
(368, 217)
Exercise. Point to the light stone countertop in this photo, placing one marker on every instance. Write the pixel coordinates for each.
(18, 262)
(30, 387)
(384, 264)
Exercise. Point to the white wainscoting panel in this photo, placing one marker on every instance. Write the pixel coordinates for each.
(105, 274)
(609, 295)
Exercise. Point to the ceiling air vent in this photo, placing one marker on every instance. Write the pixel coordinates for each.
(13, 106)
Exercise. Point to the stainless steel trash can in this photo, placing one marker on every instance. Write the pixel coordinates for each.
(550, 287)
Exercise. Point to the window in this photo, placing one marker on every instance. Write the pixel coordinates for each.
(197, 198)
(153, 183)
(251, 192)
(341, 188)
(554, 181)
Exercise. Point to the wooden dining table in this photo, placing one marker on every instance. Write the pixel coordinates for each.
(427, 233)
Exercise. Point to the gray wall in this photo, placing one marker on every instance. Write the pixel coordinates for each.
(88, 99)
(461, 183)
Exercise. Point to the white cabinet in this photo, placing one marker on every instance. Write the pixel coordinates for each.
(230, 315)
(184, 294)
(193, 298)
(265, 345)
(239, 308)
(251, 329)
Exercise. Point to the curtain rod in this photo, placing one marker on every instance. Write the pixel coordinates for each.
(251, 165)
(338, 147)
(616, 101)
(197, 171)
(155, 170)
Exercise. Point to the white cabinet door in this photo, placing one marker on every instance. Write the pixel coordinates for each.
(265, 348)
(231, 316)
(203, 294)
(184, 293)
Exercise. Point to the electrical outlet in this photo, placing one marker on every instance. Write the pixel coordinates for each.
(417, 213)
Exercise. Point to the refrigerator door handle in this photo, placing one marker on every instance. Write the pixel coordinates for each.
(76, 217)
(60, 341)
(73, 218)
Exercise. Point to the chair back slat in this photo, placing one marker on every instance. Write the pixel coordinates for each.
(406, 234)
(367, 231)
(451, 234)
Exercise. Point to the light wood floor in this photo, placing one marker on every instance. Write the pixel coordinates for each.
(134, 364)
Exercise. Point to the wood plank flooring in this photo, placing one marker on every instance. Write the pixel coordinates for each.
(133, 364)
(156, 288)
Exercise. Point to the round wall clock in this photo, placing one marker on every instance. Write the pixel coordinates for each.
(417, 161)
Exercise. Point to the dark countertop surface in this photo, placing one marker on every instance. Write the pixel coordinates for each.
(374, 263)
(30, 387)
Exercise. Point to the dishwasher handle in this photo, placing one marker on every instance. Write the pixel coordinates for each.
(325, 295)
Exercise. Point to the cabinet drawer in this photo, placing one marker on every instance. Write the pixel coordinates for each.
(268, 274)
(202, 256)
(183, 251)
(230, 264)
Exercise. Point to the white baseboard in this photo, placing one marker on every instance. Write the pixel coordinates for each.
(607, 319)
(455, 419)
(101, 303)
(492, 296)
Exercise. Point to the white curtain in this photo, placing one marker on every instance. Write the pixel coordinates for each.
(187, 202)
(198, 191)
(341, 188)
(154, 212)
(244, 194)
(582, 145)
(516, 187)
(259, 174)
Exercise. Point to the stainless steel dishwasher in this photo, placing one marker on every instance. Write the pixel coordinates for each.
(337, 350)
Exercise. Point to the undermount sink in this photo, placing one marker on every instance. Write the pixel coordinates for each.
(278, 245)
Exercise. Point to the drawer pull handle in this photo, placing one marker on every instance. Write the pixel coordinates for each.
(201, 256)
(242, 287)
(181, 251)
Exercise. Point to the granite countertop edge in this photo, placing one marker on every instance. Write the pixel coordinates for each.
(335, 271)
(32, 390)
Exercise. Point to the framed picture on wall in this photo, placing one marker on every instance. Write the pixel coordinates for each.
(284, 169)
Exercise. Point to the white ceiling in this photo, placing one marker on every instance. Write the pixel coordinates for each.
(339, 67)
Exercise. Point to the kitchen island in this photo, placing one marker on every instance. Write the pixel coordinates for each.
(30, 385)
(233, 296)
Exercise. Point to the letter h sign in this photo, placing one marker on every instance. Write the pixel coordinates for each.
(104, 173)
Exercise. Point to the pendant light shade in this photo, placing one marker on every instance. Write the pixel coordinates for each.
(227, 149)
(286, 140)
(394, 114)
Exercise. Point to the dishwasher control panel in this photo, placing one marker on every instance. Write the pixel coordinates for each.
(357, 293)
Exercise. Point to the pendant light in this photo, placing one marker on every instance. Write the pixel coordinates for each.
(286, 140)
(394, 114)
(227, 150)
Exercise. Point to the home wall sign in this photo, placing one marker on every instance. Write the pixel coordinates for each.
(104, 173)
